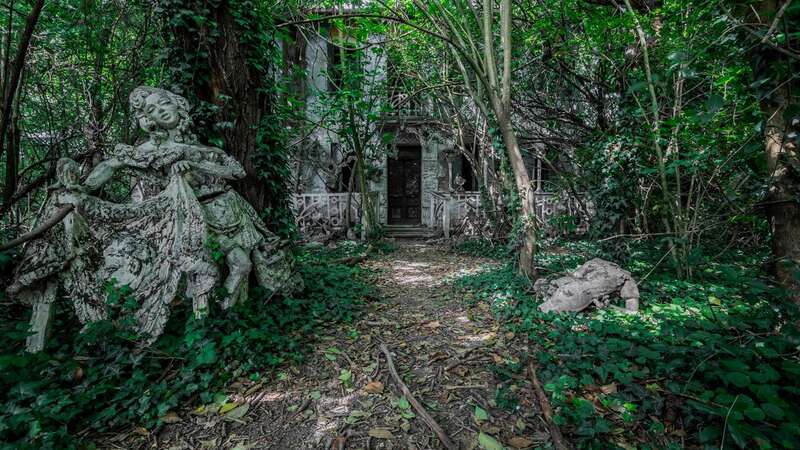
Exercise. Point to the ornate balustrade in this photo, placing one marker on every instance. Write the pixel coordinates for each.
(403, 105)
(447, 209)
(325, 210)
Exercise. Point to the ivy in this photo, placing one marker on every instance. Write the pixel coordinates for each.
(702, 357)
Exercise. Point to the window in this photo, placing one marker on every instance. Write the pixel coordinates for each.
(343, 62)
(344, 162)
(541, 175)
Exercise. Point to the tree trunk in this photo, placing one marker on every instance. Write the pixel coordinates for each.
(783, 208)
(224, 74)
(502, 109)
(16, 72)
(528, 233)
(782, 205)
(12, 157)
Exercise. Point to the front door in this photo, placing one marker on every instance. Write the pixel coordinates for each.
(405, 192)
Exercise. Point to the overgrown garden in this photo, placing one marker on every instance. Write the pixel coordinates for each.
(667, 130)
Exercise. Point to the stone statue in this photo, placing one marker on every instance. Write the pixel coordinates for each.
(181, 209)
(593, 282)
(58, 254)
(458, 183)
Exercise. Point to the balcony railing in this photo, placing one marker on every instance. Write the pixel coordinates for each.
(403, 105)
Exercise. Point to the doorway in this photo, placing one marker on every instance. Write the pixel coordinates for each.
(405, 186)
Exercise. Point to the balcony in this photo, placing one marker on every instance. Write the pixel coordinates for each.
(404, 107)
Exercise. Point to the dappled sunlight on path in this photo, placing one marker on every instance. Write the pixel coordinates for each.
(446, 349)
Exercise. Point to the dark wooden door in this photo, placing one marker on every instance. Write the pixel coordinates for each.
(405, 186)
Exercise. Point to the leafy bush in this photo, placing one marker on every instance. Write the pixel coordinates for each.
(97, 380)
(484, 248)
(705, 360)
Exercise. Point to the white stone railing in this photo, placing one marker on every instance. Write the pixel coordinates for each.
(403, 105)
(447, 209)
(325, 209)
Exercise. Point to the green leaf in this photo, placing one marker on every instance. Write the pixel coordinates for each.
(489, 443)
(481, 415)
(227, 407)
(208, 354)
(238, 412)
(772, 411)
(738, 379)
(403, 403)
(754, 413)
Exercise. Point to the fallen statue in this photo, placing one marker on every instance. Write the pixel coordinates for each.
(596, 281)
(181, 219)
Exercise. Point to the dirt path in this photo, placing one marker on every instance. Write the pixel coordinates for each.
(344, 397)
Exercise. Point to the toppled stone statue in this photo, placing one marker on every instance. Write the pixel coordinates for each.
(181, 209)
(593, 282)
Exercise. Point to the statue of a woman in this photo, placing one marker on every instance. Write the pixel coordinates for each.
(230, 220)
(181, 207)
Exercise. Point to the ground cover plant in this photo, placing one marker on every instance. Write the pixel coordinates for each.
(708, 361)
(97, 380)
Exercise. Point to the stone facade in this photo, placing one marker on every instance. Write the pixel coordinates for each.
(322, 163)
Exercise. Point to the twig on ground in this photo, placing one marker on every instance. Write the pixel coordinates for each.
(423, 414)
(458, 362)
(725, 427)
(544, 404)
(300, 409)
(468, 386)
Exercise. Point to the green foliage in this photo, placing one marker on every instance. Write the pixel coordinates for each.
(98, 380)
(483, 248)
(718, 353)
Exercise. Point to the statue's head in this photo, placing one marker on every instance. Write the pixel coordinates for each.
(68, 172)
(159, 111)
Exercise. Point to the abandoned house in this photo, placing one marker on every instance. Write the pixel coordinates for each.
(422, 180)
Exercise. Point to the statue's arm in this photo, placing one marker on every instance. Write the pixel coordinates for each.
(102, 172)
(227, 167)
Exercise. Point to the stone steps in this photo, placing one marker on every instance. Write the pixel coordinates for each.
(410, 232)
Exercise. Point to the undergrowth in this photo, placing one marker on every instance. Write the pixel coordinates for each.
(484, 248)
(98, 380)
(708, 362)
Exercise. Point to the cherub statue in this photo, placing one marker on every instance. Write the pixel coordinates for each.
(458, 183)
(65, 244)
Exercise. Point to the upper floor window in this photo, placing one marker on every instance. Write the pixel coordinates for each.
(344, 61)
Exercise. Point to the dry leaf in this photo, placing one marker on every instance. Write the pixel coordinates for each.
(433, 324)
(374, 387)
(609, 388)
(238, 412)
(171, 417)
(381, 433)
(520, 442)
